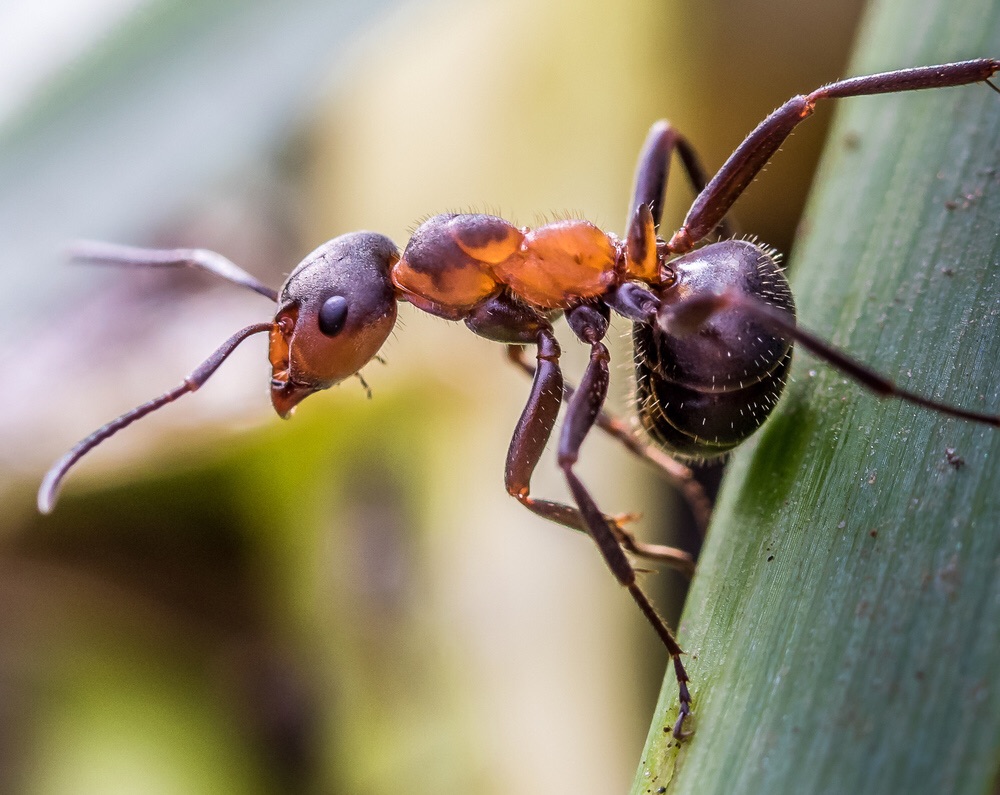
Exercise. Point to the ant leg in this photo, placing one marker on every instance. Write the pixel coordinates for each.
(677, 474)
(688, 314)
(653, 170)
(113, 254)
(505, 320)
(714, 201)
(530, 437)
(589, 325)
(49, 489)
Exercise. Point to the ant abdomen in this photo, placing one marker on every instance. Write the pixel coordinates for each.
(702, 391)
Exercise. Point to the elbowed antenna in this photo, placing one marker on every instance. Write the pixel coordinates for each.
(99, 253)
(49, 490)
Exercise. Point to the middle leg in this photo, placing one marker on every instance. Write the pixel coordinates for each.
(677, 474)
(589, 325)
(530, 437)
(653, 170)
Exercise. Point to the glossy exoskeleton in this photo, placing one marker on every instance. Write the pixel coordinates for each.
(713, 327)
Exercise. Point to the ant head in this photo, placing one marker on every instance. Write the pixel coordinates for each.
(334, 312)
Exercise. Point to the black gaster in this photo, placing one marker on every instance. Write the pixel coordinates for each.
(702, 393)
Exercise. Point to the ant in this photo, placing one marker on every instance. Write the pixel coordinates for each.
(713, 327)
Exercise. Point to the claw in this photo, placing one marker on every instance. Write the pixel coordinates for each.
(679, 733)
(683, 712)
(622, 519)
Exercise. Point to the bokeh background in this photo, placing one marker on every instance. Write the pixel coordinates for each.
(349, 601)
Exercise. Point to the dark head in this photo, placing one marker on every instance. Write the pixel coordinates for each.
(334, 313)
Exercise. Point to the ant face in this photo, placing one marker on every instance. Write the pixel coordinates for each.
(334, 313)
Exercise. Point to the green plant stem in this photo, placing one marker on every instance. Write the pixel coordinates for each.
(843, 629)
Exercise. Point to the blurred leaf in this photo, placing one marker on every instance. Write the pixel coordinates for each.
(122, 726)
(179, 99)
(181, 95)
(842, 630)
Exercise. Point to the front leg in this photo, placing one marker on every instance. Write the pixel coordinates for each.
(532, 433)
(677, 474)
(505, 319)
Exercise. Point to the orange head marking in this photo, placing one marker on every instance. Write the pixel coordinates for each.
(334, 313)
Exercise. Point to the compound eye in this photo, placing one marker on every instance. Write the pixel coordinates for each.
(333, 315)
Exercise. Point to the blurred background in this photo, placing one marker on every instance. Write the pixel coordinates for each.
(347, 602)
